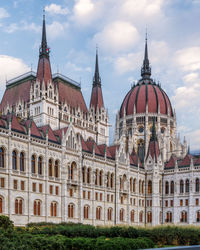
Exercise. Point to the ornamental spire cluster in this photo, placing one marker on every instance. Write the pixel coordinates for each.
(146, 69)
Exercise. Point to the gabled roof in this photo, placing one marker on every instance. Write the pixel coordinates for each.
(197, 161)
(186, 161)
(153, 150)
(59, 132)
(171, 163)
(134, 159)
(34, 129)
(112, 150)
(47, 129)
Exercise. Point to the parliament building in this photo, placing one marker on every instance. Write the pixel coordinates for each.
(56, 164)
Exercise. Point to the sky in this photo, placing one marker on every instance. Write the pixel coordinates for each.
(117, 27)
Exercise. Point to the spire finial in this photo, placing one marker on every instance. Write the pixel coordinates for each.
(96, 79)
(44, 50)
(146, 69)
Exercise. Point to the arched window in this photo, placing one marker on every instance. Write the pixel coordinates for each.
(1, 205)
(14, 160)
(2, 158)
(183, 216)
(88, 175)
(121, 214)
(73, 168)
(198, 216)
(172, 187)
(197, 185)
(141, 216)
(21, 161)
(56, 169)
(187, 186)
(101, 178)
(83, 174)
(71, 210)
(134, 185)
(149, 217)
(109, 215)
(112, 181)
(149, 187)
(40, 165)
(37, 207)
(132, 216)
(168, 217)
(131, 184)
(18, 206)
(140, 186)
(54, 206)
(33, 164)
(86, 212)
(181, 186)
(50, 167)
(108, 179)
(166, 187)
(96, 176)
(98, 213)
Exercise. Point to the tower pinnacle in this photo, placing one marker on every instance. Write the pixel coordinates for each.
(44, 49)
(146, 69)
(96, 78)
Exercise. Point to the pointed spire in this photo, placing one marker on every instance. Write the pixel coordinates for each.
(153, 132)
(146, 69)
(96, 79)
(44, 50)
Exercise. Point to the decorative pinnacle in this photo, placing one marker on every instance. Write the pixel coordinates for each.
(153, 132)
(44, 49)
(146, 69)
(96, 78)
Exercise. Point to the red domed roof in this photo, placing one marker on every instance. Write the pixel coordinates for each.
(146, 92)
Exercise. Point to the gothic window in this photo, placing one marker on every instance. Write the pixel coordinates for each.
(71, 210)
(50, 167)
(14, 160)
(141, 216)
(56, 169)
(181, 186)
(72, 173)
(96, 176)
(33, 164)
(166, 187)
(112, 181)
(149, 187)
(198, 216)
(168, 217)
(37, 207)
(98, 213)
(88, 175)
(131, 184)
(21, 162)
(142, 187)
(134, 185)
(132, 216)
(109, 214)
(53, 208)
(86, 212)
(108, 179)
(149, 217)
(141, 150)
(18, 206)
(83, 174)
(40, 165)
(172, 187)
(121, 214)
(187, 186)
(2, 158)
(183, 216)
(197, 185)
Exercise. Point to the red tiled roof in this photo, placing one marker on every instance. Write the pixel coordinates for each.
(153, 150)
(112, 150)
(34, 129)
(72, 96)
(96, 97)
(186, 161)
(84, 146)
(44, 70)
(171, 162)
(51, 135)
(197, 161)
(59, 132)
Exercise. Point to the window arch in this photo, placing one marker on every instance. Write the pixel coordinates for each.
(121, 214)
(88, 175)
(98, 213)
(2, 157)
(1, 205)
(14, 160)
(134, 185)
(187, 186)
(86, 212)
(172, 187)
(33, 164)
(108, 179)
(21, 161)
(56, 169)
(73, 169)
(166, 187)
(183, 216)
(198, 216)
(71, 210)
(101, 178)
(132, 215)
(181, 186)
(37, 207)
(96, 176)
(131, 184)
(54, 207)
(83, 174)
(112, 180)
(50, 167)
(18, 206)
(40, 164)
(109, 214)
(140, 186)
(141, 216)
(197, 185)
(149, 187)
(168, 217)
(149, 217)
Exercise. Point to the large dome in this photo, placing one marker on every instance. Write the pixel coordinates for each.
(146, 92)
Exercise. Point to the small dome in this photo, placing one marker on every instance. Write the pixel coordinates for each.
(146, 92)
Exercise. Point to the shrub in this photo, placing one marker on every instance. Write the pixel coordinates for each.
(5, 222)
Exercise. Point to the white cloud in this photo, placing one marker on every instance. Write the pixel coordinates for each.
(3, 13)
(11, 67)
(23, 25)
(73, 67)
(54, 9)
(194, 139)
(118, 36)
(83, 8)
(56, 29)
(188, 58)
